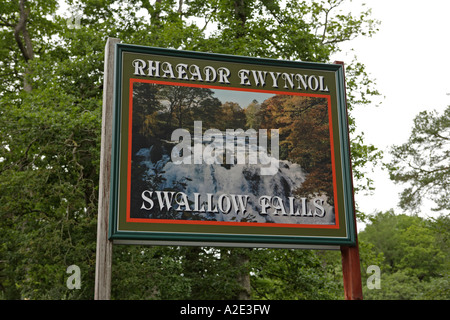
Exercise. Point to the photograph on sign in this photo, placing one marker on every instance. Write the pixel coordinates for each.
(214, 171)
(231, 150)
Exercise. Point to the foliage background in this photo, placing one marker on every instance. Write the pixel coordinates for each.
(50, 118)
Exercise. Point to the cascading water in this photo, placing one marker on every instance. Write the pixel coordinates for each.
(235, 179)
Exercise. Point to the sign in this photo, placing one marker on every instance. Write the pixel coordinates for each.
(213, 149)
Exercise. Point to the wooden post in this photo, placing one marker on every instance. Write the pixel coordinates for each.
(351, 271)
(351, 268)
(104, 246)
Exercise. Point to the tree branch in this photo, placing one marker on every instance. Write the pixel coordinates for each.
(5, 23)
(21, 27)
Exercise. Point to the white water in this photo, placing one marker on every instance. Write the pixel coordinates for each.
(239, 179)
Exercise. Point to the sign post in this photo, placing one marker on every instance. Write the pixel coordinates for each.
(104, 245)
(220, 150)
(351, 269)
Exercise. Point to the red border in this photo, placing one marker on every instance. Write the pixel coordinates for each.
(227, 223)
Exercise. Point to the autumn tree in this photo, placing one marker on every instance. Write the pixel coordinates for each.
(253, 115)
(304, 138)
(231, 116)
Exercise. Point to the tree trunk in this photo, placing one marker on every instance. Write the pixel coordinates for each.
(25, 46)
(243, 276)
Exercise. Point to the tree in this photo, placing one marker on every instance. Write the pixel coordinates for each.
(50, 120)
(253, 115)
(181, 103)
(415, 256)
(304, 138)
(231, 115)
(146, 110)
(423, 162)
(49, 156)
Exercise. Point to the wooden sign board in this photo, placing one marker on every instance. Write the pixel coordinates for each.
(213, 149)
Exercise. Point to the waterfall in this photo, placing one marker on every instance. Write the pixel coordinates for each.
(237, 179)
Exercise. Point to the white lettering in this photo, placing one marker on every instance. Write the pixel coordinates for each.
(260, 77)
(318, 203)
(374, 281)
(153, 66)
(147, 199)
(225, 208)
(321, 82)
(181, 153)
(301, 81)
(184, 71)
(275, 79)
(182, 200)
(210, 74)
(243, 75)
(227, 203)
(195, 73)
(288, 78)
(264, 202)
(213, 152)
(139, 66)
(224, 74)
(313, 83)
(164, 200)
(166, 68)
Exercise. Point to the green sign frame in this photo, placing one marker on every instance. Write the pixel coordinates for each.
(162, 69)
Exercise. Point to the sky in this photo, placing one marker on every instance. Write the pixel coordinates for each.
(243, 98)
(409, 59)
